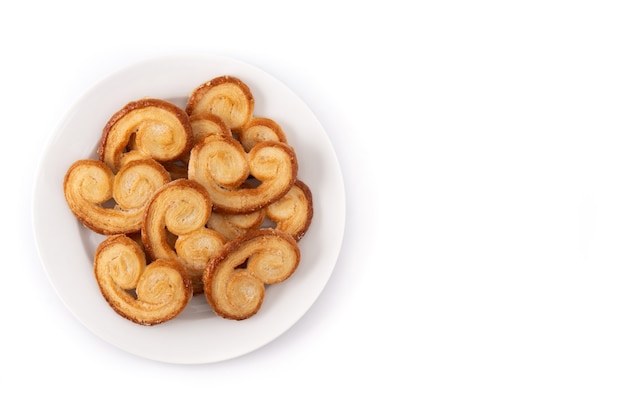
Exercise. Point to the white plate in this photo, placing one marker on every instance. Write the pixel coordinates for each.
(197, 335)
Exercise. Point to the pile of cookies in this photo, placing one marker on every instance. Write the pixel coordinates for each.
(204, 200)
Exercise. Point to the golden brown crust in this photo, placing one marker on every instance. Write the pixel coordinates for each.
(294, 212)
(205, 124)
(147, 294)
(260, 129)
(227, 97)
(235, 292)
(221, 165)
(136, 181)
(195, 249)
(222, 160)
(179, 211)
(112, 204)
(180, 207)
(154, 127)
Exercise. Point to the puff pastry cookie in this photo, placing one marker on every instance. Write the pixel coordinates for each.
(235, 279)
(144, 293)
(89, 185)
(293, 213)
(178, 213)
(205, 124)
(260, 129)
(225, 96)
(221, 165)
(153, 127)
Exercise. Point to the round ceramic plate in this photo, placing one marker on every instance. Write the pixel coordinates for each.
(66, 248)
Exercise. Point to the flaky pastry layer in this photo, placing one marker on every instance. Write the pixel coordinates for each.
(260, 129)
(195, 250)
(235, 279)
(227, 97)
(293, 213)
(154, 127)
(205, 124)
(221, 165)
(147, 294)
(109, 203)
(174, 227)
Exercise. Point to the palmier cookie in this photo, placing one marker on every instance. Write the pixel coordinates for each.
(109, 203)
(221, 165)
(235, 292)
(260, 129)
(147, 294)
(293, 213)
(227, 97)
(180, 210)
(154, 127)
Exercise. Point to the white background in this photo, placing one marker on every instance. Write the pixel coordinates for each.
(482, 144)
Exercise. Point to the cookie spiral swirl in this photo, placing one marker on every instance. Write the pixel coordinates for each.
(180, 207)
(235, 292)
(260, 129)
(154, 127)
(195, 250)
(147, 294)
(227, 97)
(109, 203)
(205, 124)
(293, 213)
(221, 165)
(174, 228)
